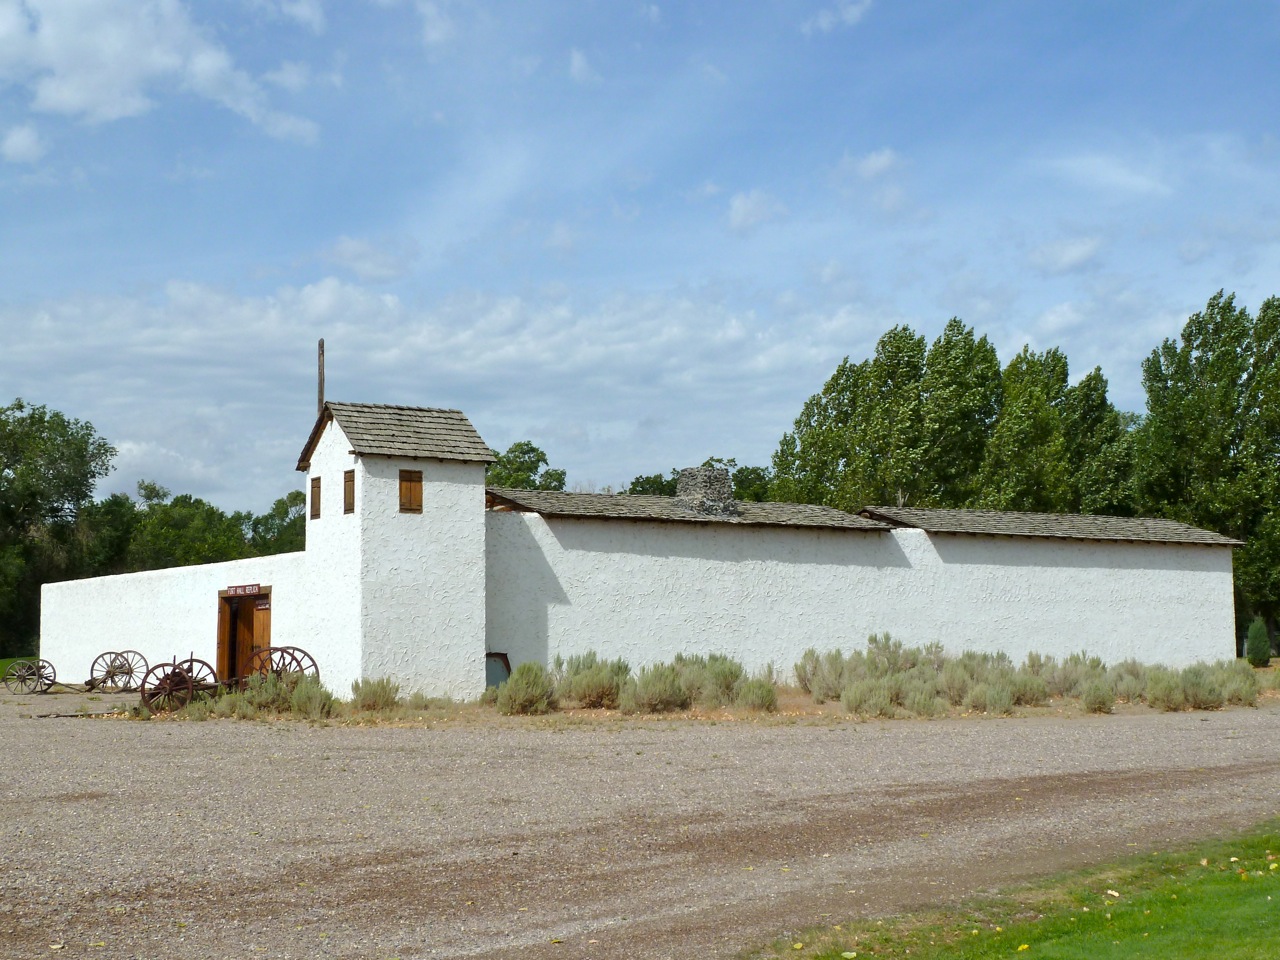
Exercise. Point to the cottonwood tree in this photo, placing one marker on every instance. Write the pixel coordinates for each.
(1208, 450)
(910, 426)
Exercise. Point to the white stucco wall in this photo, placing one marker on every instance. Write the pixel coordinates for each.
(423, 577)
(646, 591)
(333, 558)
(168, 613)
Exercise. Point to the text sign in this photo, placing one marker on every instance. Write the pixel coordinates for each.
(245, 590)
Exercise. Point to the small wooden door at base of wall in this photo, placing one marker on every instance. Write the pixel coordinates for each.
(244, 628)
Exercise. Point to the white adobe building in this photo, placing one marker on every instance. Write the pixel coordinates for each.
(414, 570)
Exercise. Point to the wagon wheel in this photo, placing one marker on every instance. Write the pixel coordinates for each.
(22, 676)
(171, 686)
(204, 679)
(46, 676)
(104, 672)
(131, 667)
(307, 665)
(278, 660)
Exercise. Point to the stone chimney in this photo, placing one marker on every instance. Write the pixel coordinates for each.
(706, 490)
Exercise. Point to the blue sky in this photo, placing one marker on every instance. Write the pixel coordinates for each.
(638, 234)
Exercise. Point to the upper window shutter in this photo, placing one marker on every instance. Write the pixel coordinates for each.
(349, 491)
(315, 498)
(410, 491)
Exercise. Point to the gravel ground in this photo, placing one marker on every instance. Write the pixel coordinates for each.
(573, 838)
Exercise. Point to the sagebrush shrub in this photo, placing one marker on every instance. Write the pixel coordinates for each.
(868, 697)
(1029, 690)
(1200, 689)
(757, 693)
(1257, 643)
(311, 700)
(596, 687)
(886, 655)
(1097, 697)
(954, 682)
(375, 695)
(1239, 682)
(1164, 689)
(1129, 689)
(709, 680)
(655, 689)
(529, 690)
(806, 667)
(923, 702)
(829, 676)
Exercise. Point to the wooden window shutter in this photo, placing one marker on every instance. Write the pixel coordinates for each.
(315, 498)
(349, 491)
(410, 491)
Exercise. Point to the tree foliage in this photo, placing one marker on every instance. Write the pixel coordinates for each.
(49, 464)
(946, 427)
(1208, 450)
(524, 467)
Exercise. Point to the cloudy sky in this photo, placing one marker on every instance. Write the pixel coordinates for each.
(638, 234)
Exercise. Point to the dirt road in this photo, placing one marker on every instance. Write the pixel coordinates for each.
(638, 839)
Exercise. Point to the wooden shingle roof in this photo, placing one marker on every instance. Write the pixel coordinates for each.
(411, 433)
(1069, 526)
(609, 506)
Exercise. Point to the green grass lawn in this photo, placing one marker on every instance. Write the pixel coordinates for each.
(4, 664)
(1220, 899)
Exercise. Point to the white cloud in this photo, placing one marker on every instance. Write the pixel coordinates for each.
(750, 209)
(22, 144)
(631, 383)
(309, 13)
(580, 69)
(844, 13)
(1066, 256)
(290, 75)
(651, 12)
(438, 27)
(1110, 173)
(874, 164)
(104, 61)
(372, 262)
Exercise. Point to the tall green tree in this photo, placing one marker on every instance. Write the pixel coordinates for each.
(283, 528)
(962, 390)
(49, 464)
(524, 467)
(178, 531)
(907, 427)
(812, 458)
(1100, 448)
(1208, 450)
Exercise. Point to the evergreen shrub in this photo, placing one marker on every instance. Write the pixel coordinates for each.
(1257, 644)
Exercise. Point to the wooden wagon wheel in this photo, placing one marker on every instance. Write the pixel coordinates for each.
(171, 686)
(306, 663)
(166, 686)
(23, 676)
(109, 672)
(131, 667)
(278, 660)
